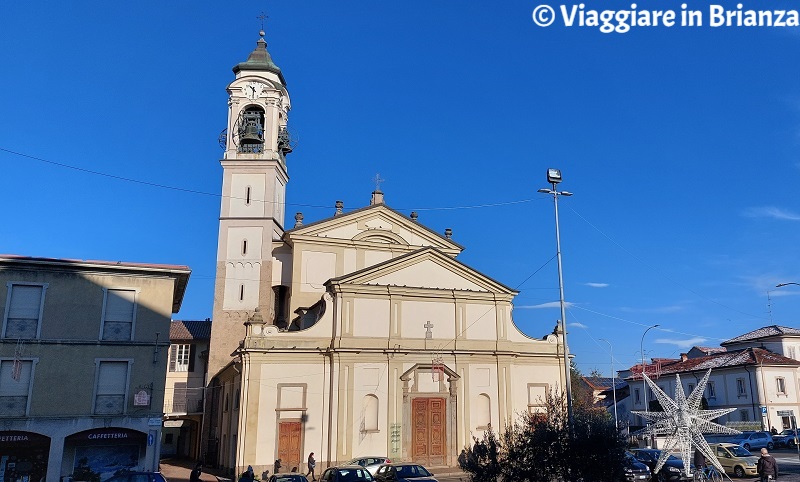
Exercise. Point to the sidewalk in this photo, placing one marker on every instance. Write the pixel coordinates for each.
(179, 470)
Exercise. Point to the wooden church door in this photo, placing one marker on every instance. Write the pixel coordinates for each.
(428, 431)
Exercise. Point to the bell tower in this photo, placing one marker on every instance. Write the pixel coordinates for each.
(254, 176)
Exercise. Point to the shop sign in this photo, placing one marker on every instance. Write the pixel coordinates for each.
(106, 435)
(12, 438)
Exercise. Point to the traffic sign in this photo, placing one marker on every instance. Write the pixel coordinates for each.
(763, 410)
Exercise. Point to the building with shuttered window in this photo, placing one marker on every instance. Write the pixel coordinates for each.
(83, 351)
(185, 387)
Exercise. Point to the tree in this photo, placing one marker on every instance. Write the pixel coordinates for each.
(538, 447)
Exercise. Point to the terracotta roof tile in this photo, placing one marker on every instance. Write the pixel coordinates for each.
(748, 356)
(765, 332)
(603, 383)
(190, 330)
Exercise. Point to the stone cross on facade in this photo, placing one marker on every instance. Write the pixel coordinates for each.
(428, 333)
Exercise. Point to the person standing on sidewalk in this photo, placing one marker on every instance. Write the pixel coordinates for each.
(767, 466)
(195, 475)
(312, 464)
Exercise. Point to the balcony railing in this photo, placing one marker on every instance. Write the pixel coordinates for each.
(183, 405)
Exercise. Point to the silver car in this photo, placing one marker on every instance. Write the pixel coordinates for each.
(371, 463)
(754, 440)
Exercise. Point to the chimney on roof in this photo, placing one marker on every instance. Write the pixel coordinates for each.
(684, 357)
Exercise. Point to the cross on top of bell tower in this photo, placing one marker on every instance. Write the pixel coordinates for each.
(262, 17)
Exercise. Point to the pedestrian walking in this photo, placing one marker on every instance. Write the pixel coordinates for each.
(195, 475)
(767, 466)
(248, 475)
(277, 466)
(312, 464)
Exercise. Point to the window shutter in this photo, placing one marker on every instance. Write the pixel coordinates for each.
(119, 305)
(15, 388)
(14, 392)
(192, 354)
(112, 378)
(23, 311)
(173, 355)
(118, 319)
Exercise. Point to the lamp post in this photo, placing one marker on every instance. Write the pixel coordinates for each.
(613, 381)
(554, 177)
(641, 347)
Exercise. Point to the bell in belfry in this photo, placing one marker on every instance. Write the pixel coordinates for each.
(251, 131)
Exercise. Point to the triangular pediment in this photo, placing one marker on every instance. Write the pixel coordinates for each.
(375, 224)
(426, 268)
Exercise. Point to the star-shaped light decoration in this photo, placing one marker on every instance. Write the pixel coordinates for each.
(684, 423)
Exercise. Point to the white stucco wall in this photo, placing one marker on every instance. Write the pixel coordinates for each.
(373, 317)
(416, 314)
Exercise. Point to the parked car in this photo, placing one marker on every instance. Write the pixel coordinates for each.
(346, 473)
(735, 459)
(672, 469)
(635, 471)
(787, 438)
(131, 476)
(754, 440)
(403, 473)
(370, 463)
(290, 477)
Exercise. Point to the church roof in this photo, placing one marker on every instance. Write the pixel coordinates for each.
(316, 226)
(380, 274)
(260, 60)
(765, 332)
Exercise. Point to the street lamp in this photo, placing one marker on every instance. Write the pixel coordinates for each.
(613, 382)
(554, 177)
(641, 347)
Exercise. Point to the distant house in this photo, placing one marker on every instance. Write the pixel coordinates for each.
(698, 351)
(756, 373)
(603, 395)
(185, 387)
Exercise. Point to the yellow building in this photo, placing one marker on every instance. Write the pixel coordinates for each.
(83, 353)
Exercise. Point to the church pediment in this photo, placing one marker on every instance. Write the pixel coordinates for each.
(426, 268)
(375, 224)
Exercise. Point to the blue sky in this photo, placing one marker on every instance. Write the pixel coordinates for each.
(680, 144)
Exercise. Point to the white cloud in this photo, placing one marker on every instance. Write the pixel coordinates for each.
(771, 212)
(684, 343)
(597, 285)
(551, 304)
(577, 325)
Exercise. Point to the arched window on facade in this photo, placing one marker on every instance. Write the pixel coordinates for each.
(370, 413)
(483, 411)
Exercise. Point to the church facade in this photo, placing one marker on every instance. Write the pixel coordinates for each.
(359, 334)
